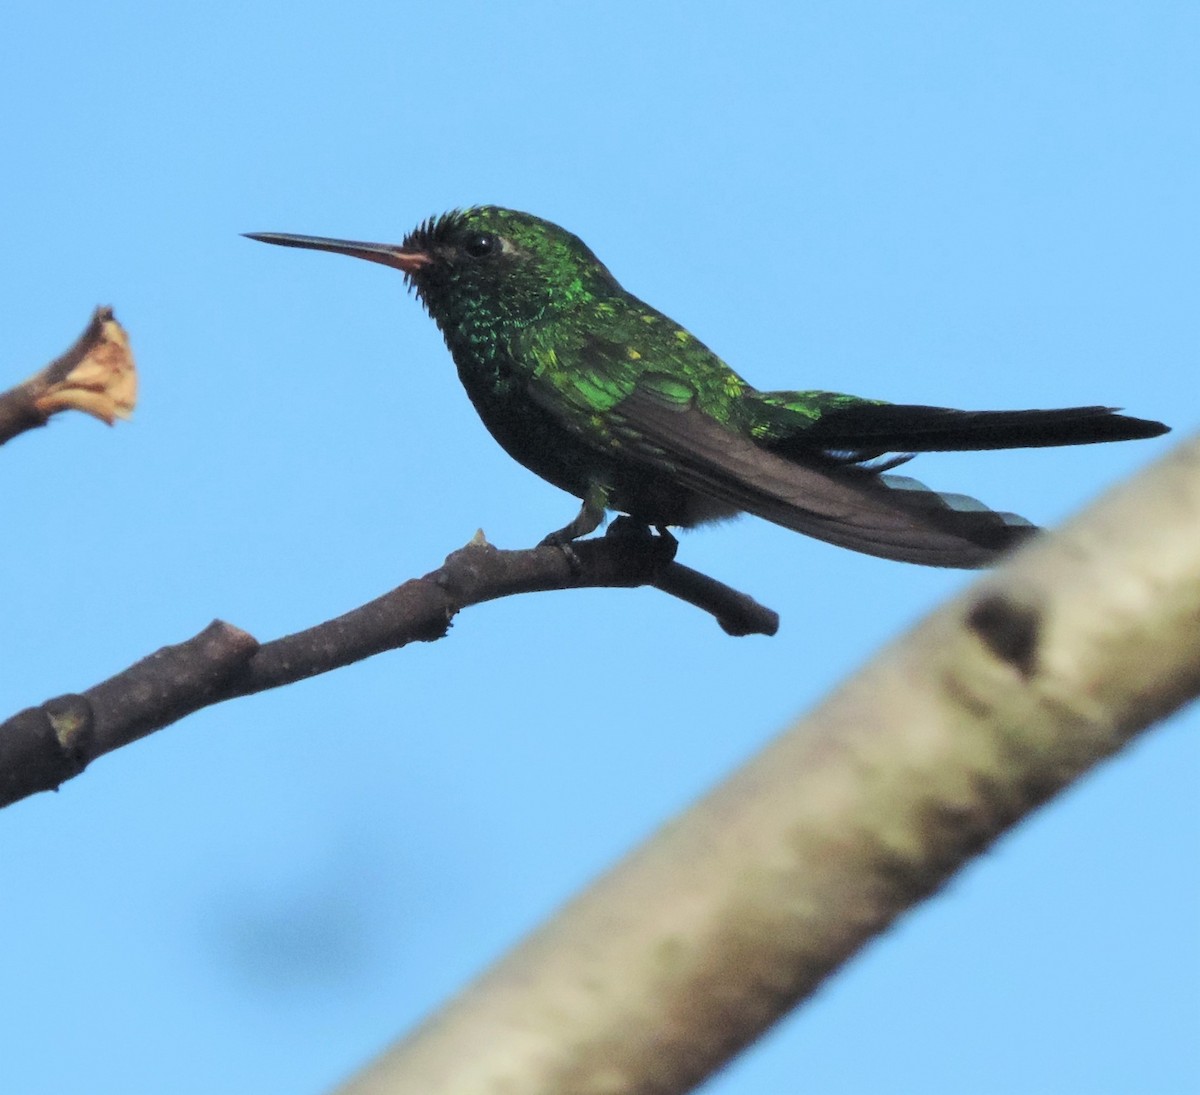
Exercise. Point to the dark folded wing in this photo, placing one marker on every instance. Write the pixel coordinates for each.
(890, 516)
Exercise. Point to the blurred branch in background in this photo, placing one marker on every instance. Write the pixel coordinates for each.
(42, 746)
(739, 908)
(96, 376)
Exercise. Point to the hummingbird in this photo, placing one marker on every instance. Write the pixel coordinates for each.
(612, 401)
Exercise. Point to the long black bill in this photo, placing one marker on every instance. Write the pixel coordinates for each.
(388, 254)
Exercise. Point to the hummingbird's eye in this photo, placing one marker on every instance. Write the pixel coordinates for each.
(479, 244)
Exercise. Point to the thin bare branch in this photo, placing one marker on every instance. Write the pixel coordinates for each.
(43, 746)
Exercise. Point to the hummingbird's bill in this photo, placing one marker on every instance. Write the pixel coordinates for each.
(388, 254)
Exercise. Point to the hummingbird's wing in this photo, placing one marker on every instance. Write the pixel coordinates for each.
(847, 425)
(854, 507)
(619, 399)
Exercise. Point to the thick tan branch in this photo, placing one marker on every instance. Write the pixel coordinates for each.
(743, 905)
(96, 376)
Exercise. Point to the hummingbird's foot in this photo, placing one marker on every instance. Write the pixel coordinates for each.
(667, 537)
(573, 560)
(630, 528)
(562, 539)
(588, 519)
(625, 527)
(558, 538)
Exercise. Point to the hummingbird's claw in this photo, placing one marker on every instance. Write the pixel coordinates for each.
(557, 540)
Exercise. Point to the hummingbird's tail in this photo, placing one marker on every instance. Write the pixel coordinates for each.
(795, 423)
(915, 524)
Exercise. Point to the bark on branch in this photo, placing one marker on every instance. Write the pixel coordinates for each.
(96, 376)
(42, 746)
(739, 908)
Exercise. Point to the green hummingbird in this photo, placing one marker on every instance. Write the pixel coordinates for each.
(612, 401)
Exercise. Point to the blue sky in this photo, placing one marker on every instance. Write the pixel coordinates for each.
(984, 206)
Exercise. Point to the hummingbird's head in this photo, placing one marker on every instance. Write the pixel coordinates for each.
(483, 270)
(492, 268)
